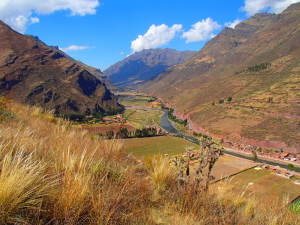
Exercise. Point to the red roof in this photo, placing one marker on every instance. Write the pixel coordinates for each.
(284, 154)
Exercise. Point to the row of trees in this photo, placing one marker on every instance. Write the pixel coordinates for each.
(172, 117)
(138, 133)
(259, 67)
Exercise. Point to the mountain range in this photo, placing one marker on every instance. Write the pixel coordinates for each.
(145, 65)
(243, 85)
(33, 73)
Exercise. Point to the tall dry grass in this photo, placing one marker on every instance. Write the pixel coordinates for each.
(161, 173)
(51, 173)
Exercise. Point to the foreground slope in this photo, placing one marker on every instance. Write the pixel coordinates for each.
(34, 73)
(255, 66)
(145, 65)
(52, 173)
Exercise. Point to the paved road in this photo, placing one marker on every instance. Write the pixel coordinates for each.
(168, 126)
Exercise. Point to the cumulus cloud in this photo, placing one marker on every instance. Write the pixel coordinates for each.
(156, 36)
(201, 31)
(276, 6)
(19, 13)
(233, 23)
(74, 48)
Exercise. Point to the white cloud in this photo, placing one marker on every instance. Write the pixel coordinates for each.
(276, 6)
(156, 36)
(201, 31)
(74, 48)
(233, 24)
(34, 20)
(18, 13)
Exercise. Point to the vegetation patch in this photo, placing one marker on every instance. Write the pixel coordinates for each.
(157, 145)
(295, 206)
(256, 68)
(172, 117)
(5, 114)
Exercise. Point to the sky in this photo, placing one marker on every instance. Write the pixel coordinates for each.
(102, 32)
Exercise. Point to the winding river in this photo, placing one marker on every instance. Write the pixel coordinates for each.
(166, 124)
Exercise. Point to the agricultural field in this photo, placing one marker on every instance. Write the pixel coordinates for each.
(229, 165)
(156, 145)
(264, 186)
(140, 118)
(140, 112)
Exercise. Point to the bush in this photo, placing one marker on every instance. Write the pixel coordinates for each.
(259, 67)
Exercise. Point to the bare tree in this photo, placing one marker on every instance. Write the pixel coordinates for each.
(209, 155)
(205, 157)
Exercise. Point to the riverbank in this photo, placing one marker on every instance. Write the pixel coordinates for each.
(166, 124)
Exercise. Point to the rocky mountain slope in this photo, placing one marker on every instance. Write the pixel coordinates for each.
(244, 84)
(33, 73)
(145, 65)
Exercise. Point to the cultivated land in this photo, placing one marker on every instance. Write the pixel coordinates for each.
(264, 186)
(139, 111)
(157, 145)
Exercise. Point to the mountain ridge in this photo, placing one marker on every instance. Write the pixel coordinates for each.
(253, 63)
(144, 65)
(33, 73)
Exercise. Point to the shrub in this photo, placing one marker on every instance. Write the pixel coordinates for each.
(259, 67)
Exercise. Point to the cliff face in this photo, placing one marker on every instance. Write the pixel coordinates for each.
(257, 65)
(36, 74)
(145, 65)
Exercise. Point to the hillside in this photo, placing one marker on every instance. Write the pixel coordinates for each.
(243, 86)
(144, 66)
(33, 73)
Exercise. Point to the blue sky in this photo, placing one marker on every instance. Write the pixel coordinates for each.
(102, 32)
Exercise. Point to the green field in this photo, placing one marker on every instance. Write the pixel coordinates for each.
(140, 118)
(139, 112)
(156, 145)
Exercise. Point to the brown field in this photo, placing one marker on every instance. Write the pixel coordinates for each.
(229, 165)
(265, 186)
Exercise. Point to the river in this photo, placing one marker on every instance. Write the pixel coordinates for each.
(166, 124)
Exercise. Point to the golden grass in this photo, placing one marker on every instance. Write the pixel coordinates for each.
(53, 174)
(160, 171)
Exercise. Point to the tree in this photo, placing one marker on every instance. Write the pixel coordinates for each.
(291, 166)
(221, 101)
(206, 157)
(229, 99)
(254, 155)
(123, 133)
(209, 155)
